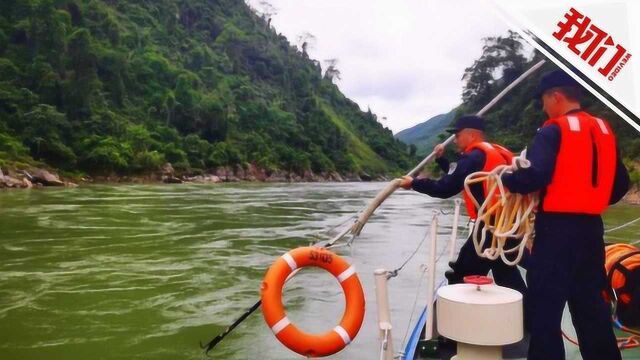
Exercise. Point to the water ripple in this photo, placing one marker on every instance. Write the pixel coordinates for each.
(147, 271)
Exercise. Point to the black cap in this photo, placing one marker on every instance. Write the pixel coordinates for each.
(554, 79)
(467, 122)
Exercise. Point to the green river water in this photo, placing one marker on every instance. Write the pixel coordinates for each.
(148, 271)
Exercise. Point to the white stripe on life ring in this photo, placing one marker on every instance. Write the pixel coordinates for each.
(347, 273)
(280, 325)
(290, 261)
(343, 334)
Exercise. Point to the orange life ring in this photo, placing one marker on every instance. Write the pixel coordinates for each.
(620, 259)
(312, 345)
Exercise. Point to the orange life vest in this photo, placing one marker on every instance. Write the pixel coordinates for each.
(585, 166)
(495, 155)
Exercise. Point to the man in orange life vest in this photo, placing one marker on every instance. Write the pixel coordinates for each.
(477, 155)
(577, 169)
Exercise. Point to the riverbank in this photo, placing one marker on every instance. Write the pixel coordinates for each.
(38, 177)
(249, 173)
(32, 177)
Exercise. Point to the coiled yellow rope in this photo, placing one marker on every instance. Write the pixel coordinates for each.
(507, 216)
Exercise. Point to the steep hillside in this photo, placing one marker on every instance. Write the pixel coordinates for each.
(121, 87)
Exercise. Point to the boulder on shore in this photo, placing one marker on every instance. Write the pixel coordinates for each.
(46, 178)
(212, 179)
(352, 177)
(255, 173)
(365, 177)
(277, 176)
(239, 172)
(11, 182)
(171, 180)
(335, 176)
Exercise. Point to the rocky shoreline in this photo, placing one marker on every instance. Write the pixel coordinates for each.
(36, 177)
(253, 173)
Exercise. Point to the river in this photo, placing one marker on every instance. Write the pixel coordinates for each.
(148, 271)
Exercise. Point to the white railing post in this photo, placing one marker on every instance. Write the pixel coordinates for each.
(384, 318)
(454, 230)
(431, 277)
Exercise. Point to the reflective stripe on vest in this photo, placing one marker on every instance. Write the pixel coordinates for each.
(585, 166)
(494, 155)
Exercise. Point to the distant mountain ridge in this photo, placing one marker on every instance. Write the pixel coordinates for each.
(426, 134)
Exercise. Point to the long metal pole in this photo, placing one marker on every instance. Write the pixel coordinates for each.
(394, 184)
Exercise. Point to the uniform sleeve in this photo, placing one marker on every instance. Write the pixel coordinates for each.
(443, 162)
(542, 155)
(621, 181)
(451, 184)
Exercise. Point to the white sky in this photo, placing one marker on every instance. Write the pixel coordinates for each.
(402, 58)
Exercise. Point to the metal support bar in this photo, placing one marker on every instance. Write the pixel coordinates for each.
(431, 277)
(384, 318)
(454, 230)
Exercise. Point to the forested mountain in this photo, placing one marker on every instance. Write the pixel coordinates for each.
(424, 136)
(515, 119)
(123, 86)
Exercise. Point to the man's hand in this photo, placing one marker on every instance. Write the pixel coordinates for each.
(439, 150)
(406, 182)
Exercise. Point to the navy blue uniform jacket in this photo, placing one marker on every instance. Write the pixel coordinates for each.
(451, 184)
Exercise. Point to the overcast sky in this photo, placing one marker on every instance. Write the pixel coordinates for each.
(402, 58)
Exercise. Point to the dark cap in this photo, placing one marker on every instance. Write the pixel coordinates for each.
(467, 122)
(554, 79)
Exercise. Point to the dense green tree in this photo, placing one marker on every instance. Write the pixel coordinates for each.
(124, 86)
(104, 155)
(502, 58)
(44, 132)
(514, 121)
(83, 80)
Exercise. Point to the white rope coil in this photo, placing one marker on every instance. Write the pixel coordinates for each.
(507, 216)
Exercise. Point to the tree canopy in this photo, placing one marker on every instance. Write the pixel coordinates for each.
(124, 86)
